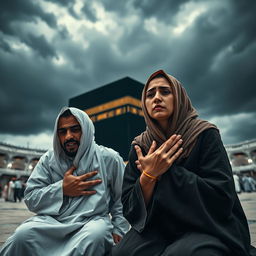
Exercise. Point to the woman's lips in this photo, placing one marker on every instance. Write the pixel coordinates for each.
(158, 108)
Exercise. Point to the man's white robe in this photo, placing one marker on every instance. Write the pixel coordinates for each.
(72, 225)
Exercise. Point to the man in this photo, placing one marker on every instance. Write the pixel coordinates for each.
(11, 187)
(17, 190)
(73, 190)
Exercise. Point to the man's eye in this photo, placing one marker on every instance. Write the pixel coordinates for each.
(76, 129)
(61, 132)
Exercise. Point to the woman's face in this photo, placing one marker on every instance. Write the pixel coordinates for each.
(159, 100)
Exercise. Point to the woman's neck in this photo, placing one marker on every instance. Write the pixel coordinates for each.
(164, 126)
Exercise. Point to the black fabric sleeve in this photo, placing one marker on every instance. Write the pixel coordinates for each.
(196, 194)
(134, 208)
(200, 193)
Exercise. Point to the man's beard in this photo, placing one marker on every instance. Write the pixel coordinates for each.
(70, 153)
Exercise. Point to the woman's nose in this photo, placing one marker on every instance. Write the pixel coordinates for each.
(157, 96)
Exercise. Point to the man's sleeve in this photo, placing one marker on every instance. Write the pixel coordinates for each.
(42, 195)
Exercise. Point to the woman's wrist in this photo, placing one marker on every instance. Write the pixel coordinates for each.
(149, 177)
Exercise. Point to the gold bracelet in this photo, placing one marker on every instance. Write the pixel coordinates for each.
(149, 176)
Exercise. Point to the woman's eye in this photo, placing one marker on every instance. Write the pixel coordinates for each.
(150, 95)
(166, 91)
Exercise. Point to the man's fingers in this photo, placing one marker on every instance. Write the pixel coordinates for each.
(88, 175)
(88, 184)
(138, 151)
(71, 170)
(152, 148)
(82, 193)
(87, 192)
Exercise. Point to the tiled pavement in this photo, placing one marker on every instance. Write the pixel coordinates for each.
(12, 214)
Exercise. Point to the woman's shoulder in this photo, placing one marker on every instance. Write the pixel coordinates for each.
(210, 140)
(209, 134)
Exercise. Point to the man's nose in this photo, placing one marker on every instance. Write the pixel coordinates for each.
(69, 135)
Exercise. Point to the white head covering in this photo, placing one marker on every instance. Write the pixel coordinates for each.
(87, 148)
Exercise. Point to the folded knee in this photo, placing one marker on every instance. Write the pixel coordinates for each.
(98, 229)
(23, 233)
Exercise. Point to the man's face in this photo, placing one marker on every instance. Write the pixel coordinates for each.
(69, 133)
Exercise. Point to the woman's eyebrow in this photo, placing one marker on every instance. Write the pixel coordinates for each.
(160, 87)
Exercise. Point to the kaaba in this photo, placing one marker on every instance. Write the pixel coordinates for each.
(115, 110)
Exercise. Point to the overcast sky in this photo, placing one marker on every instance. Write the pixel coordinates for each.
(52, 50)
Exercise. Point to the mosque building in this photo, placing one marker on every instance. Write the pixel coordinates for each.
(17, 162)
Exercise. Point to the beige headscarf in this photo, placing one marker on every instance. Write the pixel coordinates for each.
(183, 121)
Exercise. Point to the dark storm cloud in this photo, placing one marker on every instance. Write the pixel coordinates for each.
(4, 45)
(17, 11)
(32, 92)
(89, 12)
(223, 79)
(245, 24)
(243, 130)
(214, 58)
(235, 84)
(162, 10)
(62, 2)
(69, 4)
(40, 45)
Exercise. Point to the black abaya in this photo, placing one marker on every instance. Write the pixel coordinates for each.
(194, 198)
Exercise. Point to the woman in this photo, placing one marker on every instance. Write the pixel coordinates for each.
(178, 189)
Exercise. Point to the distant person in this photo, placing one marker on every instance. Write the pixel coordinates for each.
(11, 188)
(241, 182)
(246, 183)
(252, 183)
(5, 192)
(17, 190)
(75, 191)
(23, 188)
(237, 183)
(178, 190)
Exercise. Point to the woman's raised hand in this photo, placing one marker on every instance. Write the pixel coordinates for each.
(157, 162)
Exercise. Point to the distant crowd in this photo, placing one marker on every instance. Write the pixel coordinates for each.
(244, 183)
(13, 190)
